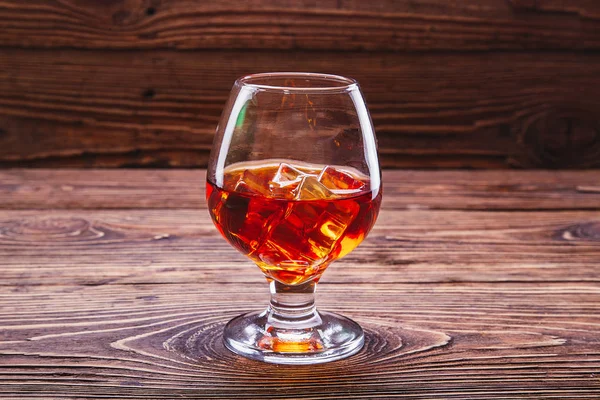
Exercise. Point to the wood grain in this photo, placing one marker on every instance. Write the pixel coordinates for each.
(182, 246)
(160, 108)
(454, 341)
(463, 84)
(489, 301)
(404, 189)
(282, 24)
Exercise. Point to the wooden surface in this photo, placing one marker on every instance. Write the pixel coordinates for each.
(115, 284)
(302, 24)
(478, 84)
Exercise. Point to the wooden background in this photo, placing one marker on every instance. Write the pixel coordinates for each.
(481, 84)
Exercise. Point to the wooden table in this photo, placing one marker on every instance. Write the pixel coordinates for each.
(479, 285)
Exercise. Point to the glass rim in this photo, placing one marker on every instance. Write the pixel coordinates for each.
(331, 82)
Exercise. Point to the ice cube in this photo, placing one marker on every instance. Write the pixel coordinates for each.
(311, 189)
(251, 183)
(281, 255)
(287, 175)
(335, 180)
(332, 224)
(285, 181)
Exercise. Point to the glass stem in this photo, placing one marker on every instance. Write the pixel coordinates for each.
(293, 306)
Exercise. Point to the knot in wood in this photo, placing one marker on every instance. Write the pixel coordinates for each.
(561, 138)
(585, 232)
(43, 230)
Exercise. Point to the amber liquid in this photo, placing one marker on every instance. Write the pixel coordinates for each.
(293, 229)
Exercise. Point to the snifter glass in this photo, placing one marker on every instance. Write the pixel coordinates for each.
(294, 184)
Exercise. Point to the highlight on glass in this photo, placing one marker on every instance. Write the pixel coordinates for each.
(294, 184)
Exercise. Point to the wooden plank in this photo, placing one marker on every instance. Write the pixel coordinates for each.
(492, 190)
(452, 341)
(102, 189)
(172, 189)
(88, 247)
(160, 108)
(281, 24)
(582, 8)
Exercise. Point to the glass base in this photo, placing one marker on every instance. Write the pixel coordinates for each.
(326, 337)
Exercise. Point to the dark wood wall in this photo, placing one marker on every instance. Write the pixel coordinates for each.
(450, 83)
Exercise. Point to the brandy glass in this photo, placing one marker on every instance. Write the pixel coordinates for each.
(294, 184)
